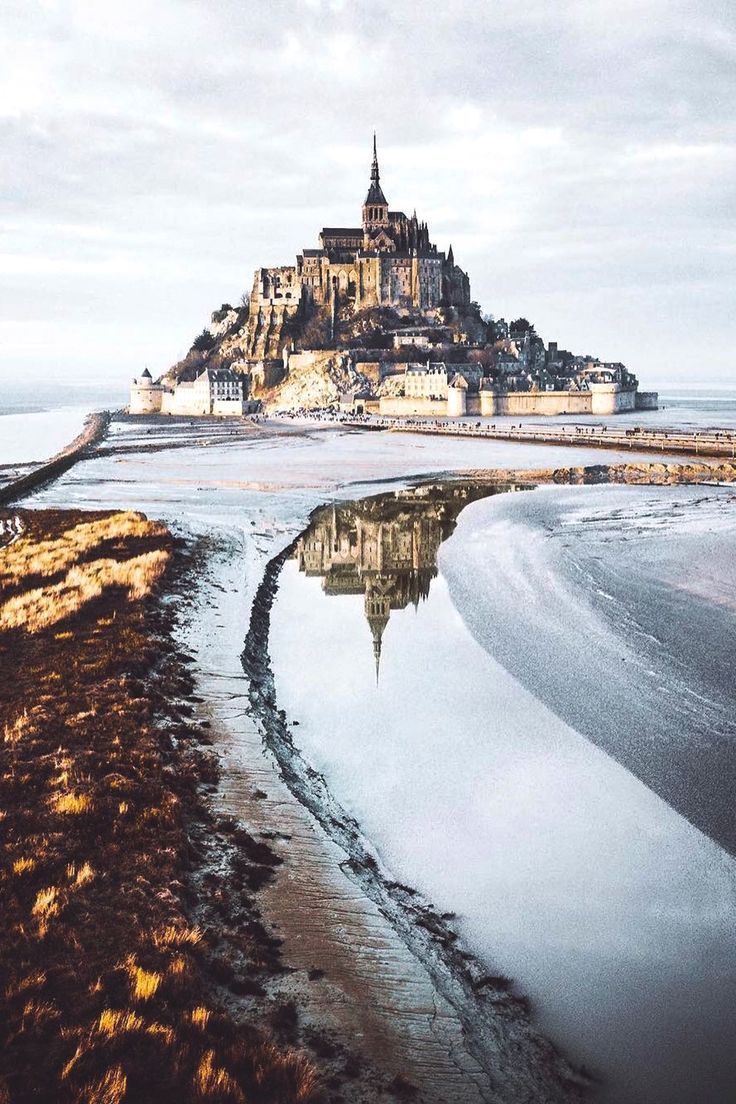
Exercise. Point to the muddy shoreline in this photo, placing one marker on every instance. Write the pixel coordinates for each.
(640, 474)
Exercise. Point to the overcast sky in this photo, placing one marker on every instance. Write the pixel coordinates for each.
(580, 156)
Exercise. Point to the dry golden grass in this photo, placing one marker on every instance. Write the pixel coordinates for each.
(143, 983)
(23, 865)
(180, 967)
(172, 936)
(34, 980)
(70, 803)
(79, 875)
(211, 1080)
(30, 556)
(109, 1089)
(200, 1017)
(37, 609)
(15, 731)
(46, 903)
(117, 1023)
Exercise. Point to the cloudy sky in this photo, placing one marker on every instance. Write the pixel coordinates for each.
(580, 156)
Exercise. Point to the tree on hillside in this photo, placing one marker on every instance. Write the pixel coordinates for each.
(203, 342)
(487, 357)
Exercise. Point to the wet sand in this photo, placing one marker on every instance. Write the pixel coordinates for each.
(365, 985)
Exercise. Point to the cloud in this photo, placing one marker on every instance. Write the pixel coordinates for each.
(153, 155)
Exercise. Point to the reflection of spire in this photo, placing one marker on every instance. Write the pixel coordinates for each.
(377, 611)
(383, 549)
(377, 651)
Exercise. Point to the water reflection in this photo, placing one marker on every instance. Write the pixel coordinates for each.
(385, 548)
(612, 912)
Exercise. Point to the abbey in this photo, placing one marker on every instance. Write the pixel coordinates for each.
(387, 261)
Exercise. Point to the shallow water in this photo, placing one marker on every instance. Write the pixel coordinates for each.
(38, 421)
(567, 871)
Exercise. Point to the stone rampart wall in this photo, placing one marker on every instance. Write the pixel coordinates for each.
(392, 406)
(186, 401)
(611, 398)
(233, 407)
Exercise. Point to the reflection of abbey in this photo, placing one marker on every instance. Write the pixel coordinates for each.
(384, 549)
(386, 261)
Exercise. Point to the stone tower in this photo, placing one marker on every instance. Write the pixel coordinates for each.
(375, 208)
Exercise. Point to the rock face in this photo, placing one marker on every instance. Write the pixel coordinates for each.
(315, 379)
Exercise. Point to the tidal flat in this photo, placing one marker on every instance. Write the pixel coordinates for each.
(530, 716)
(468, 769)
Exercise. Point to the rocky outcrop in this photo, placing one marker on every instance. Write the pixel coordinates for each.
(316, 379)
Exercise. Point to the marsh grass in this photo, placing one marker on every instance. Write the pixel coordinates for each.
(106, 984)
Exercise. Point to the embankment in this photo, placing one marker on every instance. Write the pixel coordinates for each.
(95, 428)
(665, 442)
(641, 473)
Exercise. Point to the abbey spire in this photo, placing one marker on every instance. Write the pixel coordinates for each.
(375, 208)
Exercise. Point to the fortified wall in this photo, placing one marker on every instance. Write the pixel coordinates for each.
(602, 400)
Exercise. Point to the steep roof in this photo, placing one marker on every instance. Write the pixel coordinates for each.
(220, 375)
(341, 232)
(375, 194)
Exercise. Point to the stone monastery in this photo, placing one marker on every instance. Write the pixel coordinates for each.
(377, 320)
(387, 261)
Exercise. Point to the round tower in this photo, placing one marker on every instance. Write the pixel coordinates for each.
(457, 397)
(145, 395)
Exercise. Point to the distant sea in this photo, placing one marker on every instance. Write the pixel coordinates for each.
(697, 407)
(36, 420)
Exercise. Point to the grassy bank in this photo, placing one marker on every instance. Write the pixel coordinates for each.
(130, 968)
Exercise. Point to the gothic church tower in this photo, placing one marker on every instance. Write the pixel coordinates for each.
(375, 208)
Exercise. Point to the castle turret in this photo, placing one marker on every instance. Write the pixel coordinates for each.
(457, 397)
(145, 395)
